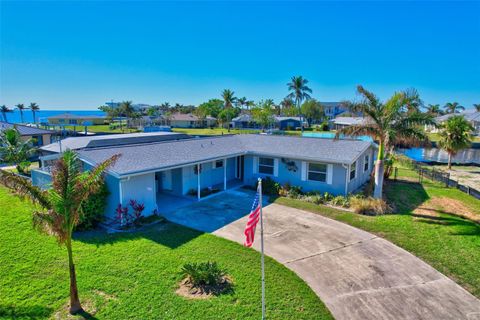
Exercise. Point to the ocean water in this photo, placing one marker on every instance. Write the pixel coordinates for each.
(14, 117)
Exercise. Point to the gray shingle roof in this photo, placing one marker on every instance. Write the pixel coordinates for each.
(470, 115)
(157, 156)
(76, 143)
(24, 130)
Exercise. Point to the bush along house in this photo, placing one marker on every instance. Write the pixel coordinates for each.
(156, 174)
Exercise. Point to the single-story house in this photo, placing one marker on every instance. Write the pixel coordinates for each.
(159, 173)
(287, 123)
(41, 136)
(75, 120)
(342, 122)
(471, 116)
(244, 121)
(188, 120)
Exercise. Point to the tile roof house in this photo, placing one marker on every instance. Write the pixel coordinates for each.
(160, 172)
(41, 136)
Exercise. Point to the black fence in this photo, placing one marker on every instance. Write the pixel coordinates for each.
(422, 172)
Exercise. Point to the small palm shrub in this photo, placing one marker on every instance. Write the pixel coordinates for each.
(340, 201)
(369, 206)
(204, 274)
(93, 209)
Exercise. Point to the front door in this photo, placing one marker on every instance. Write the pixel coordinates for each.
(167, 180)
(240, 164)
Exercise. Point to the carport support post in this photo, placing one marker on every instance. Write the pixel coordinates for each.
(224, 174)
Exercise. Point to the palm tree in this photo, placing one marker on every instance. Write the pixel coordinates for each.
(34, 108)
(241, 102)
(453, 107)
(228, 101)
(434, 109)
(15, 150)
(415, 103)
(388, 124)
(126, 108)
(62, 204)
(4, 110)
(249, 104)
(477, 106)
(455, 136)
(20, 108)
(299, 92)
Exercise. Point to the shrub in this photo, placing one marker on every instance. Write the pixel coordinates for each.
(93, 209)
(340, 201)
(270, 187)
(205, 273)
(369, 206)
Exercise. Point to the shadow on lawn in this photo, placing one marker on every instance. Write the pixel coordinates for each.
(24, 312)
(405, 196)
(165, 233)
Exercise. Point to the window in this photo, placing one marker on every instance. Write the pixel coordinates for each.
(353, 170)
(265, 165)
(317, 172)
(218, 164)
(366, 164)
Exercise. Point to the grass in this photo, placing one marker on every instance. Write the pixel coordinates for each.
(134, 275)
(102, 128)
(448, 243)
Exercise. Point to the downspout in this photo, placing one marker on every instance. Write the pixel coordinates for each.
(347, 171)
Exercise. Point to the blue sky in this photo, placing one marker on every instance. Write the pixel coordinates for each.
(81, 54)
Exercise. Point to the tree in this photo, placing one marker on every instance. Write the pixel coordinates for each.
(62, 204)
(228, 100)
(210, 108)
(453, 107)
(313, 111)
(388, 124)
(299, 92)
(414, 102)
(241, 102)
(288, 107)
(263, 113)
(455, 136)
(477, 106)
(127, 109)
(20, 108)
(4, 110)
(34, 108)
(15, 150)
(225, 115)
(434, 109)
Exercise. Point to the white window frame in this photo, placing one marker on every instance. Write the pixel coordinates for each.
(366, 164)
(353, 168)
(314, 171)
(216, 164)
(265, 165)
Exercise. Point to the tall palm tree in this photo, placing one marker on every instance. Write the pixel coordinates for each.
(62, 204)
(126, 108)
(477, 106)
(453, 107)
(455, 136)
(20, 108)
(241, 102)
(299, 92)
(389, 124)
(434, 109)
(15, 150)
(4, 110)
(34, 108)
(228, 101)
(415, 103)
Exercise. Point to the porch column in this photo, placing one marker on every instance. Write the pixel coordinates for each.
(225, 174)
(198, 181)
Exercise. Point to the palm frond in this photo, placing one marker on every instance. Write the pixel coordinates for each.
(24, 188)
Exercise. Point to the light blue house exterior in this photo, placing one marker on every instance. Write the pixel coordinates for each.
(157, 174)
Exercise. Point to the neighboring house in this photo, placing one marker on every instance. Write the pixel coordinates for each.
(135, 106)
(159, 173)
(471, 116)
(41, 136)
(86, 142)
(287, 123)
(342, 122)
(75, 120)
(244, 121)
(188, 120)
(333, 109)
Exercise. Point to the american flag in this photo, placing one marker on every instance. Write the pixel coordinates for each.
(253, 219)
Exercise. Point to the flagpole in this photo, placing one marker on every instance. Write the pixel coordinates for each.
(261, 245)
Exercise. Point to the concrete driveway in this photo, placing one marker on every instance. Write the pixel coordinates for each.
(356, 274)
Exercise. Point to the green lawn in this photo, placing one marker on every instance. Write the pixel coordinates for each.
(134, 276)
(102, 128)
(448, 243)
